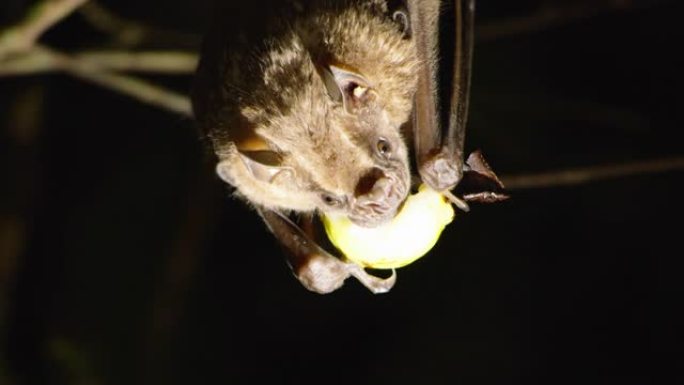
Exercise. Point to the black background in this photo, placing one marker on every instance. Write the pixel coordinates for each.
(128, 262)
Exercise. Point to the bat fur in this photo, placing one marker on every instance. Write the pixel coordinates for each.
(288, 134)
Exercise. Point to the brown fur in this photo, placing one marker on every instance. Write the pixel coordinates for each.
(264, 91)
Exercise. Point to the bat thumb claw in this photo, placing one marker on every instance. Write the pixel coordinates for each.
(460, 203)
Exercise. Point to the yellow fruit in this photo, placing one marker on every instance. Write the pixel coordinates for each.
(407, 237)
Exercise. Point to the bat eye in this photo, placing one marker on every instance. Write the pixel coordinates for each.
(383, 147)
(331, 200)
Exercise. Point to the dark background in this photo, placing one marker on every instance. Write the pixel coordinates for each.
(125, 261)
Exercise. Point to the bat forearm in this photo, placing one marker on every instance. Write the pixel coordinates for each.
(463, 55)
(424, 17)
(439, 152)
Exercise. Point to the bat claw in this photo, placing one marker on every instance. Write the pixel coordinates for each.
(375, 284)
(460, 203)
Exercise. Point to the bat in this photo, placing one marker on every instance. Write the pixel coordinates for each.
(319, 107)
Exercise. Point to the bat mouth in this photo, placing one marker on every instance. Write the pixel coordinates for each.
(373, 216)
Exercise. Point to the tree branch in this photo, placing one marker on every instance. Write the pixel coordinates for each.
(554, 15)
(164, 62)
(159, 62)
(20, 55)
(577, 176)
(23, 35)
(133, 87)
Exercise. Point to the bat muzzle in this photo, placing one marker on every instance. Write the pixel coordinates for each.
(378, 197)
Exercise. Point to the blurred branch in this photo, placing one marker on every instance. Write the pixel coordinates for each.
(23, 35)
(165, 62)
(128, 33)
(95, 68)
(576, 176)
(553, 15)
(133, 87)
(19, 54)
(159, 62)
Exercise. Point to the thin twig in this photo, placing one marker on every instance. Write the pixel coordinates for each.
(20, 40)
(133, 87)
(23, 35)
(577, 176)
(158, 62)
(28, 63)
(161, 62)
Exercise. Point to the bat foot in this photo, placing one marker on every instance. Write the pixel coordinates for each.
(324, 274)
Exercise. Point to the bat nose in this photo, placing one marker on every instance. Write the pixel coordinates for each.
(376, 199)
(381, 189)
(374, 190)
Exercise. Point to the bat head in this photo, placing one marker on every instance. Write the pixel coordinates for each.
(336, 148)
(314, 124)
(370, 177)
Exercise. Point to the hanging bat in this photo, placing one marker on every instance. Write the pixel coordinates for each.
(317, 106)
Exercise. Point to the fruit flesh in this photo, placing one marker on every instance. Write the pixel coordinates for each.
(407, 237)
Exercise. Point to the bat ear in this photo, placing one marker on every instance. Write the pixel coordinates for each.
(347, 87)
(401, 17)
(262, 165)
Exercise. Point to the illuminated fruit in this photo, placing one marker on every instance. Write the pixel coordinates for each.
(407, 237)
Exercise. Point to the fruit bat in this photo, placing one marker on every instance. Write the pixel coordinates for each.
(321, 106)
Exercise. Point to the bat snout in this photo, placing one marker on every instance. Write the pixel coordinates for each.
(377, 197)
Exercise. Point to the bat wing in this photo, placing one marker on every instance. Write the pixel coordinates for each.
(439, 152)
